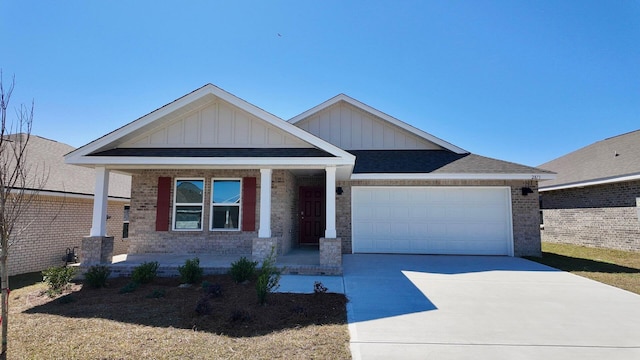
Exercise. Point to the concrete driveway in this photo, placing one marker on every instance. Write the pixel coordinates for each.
(472, 307)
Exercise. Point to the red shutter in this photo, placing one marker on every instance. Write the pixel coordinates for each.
(249, 204)
(164, 202)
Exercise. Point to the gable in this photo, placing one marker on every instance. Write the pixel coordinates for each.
(350, 128)
(215, 124)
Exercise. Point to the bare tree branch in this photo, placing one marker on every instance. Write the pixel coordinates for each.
(20, 184)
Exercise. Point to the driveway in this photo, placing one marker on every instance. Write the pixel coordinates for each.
(483, 307)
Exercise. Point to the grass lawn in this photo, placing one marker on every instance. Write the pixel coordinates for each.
(159, 321)
(614, 267)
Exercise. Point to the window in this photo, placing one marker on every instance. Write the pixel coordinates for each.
(125, 222)
(188, 204)
(225, 204)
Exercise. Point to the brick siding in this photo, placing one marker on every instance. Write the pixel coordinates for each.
(598, 216)
(54, 224)
(284, 187)
(145, 239)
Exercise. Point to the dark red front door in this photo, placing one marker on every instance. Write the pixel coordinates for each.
(311, 214)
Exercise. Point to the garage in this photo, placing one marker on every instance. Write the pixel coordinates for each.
(432, 220)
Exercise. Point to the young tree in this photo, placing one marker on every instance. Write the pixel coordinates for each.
(20, 183)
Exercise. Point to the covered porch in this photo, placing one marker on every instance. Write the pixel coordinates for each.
(279, 225)
(303, 260)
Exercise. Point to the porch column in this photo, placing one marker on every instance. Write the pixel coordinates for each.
(100, 201)
(330, 191)
(265, 204)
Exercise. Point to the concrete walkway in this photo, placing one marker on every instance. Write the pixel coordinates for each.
(469, 307)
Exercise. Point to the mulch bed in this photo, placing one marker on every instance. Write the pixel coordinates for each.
(232, 311)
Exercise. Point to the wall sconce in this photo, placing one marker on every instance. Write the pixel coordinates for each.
(526, 190)
(339, 190)
(108, 216)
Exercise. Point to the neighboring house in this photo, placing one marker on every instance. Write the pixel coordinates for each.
(212, 173)
(60, 215)
(595, 199)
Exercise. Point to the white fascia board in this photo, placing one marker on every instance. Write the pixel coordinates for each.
(209, 89)
(591, 183)
(116, 161)
(73, 157)
(380, 114)
(285, 126)
(422, 176)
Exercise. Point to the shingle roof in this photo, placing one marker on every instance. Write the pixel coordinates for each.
(607, 159)
(46, 157)
(215, 152)
(434, 162)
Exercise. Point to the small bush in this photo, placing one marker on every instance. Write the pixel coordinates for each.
(243, 270)
(145, 272)
(156, 294)
(268, 278)
(319, 288)
(191, 272)
(129, 288)
(58, 278)
(97, 276)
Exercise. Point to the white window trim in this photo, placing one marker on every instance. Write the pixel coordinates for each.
(176, 204)
(239, 205)
(125, 221)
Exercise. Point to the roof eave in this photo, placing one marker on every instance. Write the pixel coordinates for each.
(116, 161)
(451, 176)
(593, 182)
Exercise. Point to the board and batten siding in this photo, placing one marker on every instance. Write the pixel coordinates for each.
(216, 124)
(350, 128)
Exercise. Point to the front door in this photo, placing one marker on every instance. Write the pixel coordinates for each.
(311, 214)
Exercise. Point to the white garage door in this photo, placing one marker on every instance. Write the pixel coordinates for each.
(432, 220)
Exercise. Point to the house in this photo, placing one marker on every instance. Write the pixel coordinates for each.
(595, 199)
(61, 212)
(212, 173)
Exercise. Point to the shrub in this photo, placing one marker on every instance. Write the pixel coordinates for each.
(191, 272)
(268, 278)
(243, 270)
(97, 276)
(58, 278)
(319, 288)
(130, 287)
(145, 272)
(156, 294)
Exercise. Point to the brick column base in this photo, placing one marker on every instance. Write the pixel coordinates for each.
(261, 248)
(96, 250)
(331, 252)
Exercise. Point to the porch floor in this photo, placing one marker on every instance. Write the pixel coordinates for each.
(303, 260)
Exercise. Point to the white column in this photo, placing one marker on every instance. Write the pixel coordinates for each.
(100, 201)
(330, 232)
(265, 204)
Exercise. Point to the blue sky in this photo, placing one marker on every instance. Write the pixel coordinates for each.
(523, 81)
